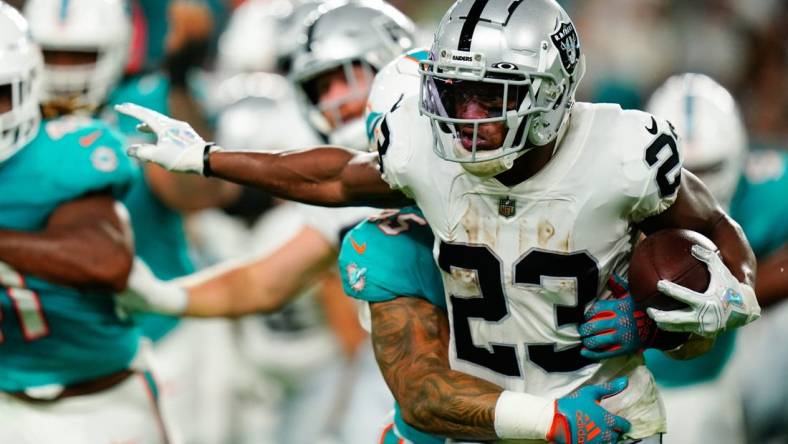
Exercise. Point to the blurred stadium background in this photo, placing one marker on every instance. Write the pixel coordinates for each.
(631, 47)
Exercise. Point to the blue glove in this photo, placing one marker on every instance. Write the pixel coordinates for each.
(580, 419)
(616, 327)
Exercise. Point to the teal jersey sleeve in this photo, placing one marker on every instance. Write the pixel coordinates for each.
(389, 257)
(149, 90)
(761, 202)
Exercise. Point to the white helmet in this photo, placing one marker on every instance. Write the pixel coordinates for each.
(20, 72)
(523, 54)
(396, 81)
(260, 37)
(98, 27)
(340, 35)
(707, 118)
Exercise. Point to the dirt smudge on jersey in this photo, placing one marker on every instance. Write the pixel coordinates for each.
(545, 231)
(464, 283)
(479, 227)
(566, 242)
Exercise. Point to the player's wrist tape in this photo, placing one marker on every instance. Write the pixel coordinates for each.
(209, 149)
(523, 416)
(171, 298)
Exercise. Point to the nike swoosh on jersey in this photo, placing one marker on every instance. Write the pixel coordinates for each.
(360, 249)
(653, 129)
(90, 139)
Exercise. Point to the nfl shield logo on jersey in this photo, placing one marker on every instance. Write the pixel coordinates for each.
(507, 207)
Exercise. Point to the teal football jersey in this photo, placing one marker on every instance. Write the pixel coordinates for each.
(159, 238)
(761, 201)
(761, 207)
(389, 257)
(50, 334)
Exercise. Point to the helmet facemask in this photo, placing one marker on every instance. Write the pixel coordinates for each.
(505, 95)
(19, 122)
(84, 83)
(353, 39)
(327, 115)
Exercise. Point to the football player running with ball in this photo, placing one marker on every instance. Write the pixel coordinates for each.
(534, 201)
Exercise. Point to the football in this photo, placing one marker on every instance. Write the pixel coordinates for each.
(667, 255)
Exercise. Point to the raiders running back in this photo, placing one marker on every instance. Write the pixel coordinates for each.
(520, 264)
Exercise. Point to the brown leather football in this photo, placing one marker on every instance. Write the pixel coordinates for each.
(667, 255)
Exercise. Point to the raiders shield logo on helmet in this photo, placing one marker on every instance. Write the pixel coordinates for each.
(568, 44)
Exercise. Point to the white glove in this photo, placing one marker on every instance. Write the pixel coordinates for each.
(726, 304)
(147, 293)
(178, 147)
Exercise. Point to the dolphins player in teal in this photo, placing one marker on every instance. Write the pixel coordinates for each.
(387, 262)
(764, 185)
(703, 395)
(68, 372)
(85, 45)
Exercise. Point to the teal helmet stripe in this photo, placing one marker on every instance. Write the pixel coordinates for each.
(689, 112)
(63, 10)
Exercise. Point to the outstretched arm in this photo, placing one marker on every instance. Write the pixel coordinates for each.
(86, 244)
(237, 288)
(326, 176)
(321, 176)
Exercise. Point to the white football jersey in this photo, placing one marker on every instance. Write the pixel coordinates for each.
(521, 264)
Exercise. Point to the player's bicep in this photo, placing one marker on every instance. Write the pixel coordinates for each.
(363, 184)
(694, 209)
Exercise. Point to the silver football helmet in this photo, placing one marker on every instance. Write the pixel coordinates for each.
(21, 65)
(261, 35)
(342, 36)
(520, 62)
(708, 120)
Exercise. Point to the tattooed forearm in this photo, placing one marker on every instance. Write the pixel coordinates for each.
(411, 341)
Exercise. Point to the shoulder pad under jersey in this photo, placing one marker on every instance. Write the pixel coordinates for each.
(86, 156)
(648, 155)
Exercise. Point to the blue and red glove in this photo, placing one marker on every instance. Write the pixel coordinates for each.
(580, 419)
(616, 327)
